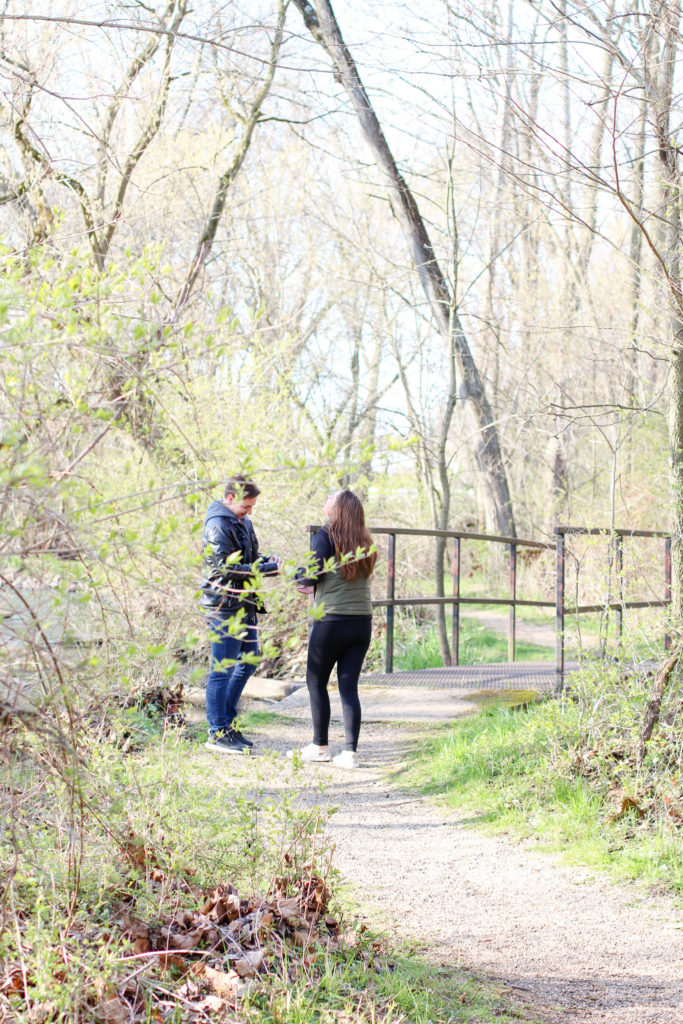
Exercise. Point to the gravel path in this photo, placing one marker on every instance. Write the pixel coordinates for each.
(579, 948)
(571, 946)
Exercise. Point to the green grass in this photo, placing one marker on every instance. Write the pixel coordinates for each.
(380, 985)
(418, 647)
(249, 719)
(516, 770)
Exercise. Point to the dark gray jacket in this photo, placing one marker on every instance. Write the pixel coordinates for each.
(227, 587)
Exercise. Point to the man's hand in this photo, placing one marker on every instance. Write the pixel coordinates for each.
(303, 589)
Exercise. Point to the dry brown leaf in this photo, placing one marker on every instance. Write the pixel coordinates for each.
(226, 985)
(186, 942)
(168, 960)
(249, 965)
(211, 1004)
(13, 982)
(289, 907)
(141, 945)
(299, 937)
(623, 804)
(112, 1011)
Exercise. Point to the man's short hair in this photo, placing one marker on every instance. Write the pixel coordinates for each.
(239, 487)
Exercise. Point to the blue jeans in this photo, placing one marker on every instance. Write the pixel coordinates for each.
(228, 674)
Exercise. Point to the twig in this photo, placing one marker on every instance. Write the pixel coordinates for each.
(654, 705)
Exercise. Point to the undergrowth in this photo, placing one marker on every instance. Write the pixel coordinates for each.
(145, 882)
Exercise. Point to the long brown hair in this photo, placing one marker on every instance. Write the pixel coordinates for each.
(348, 532)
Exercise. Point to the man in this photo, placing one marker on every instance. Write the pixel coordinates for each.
(231, 557)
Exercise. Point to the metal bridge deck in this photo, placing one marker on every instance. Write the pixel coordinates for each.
(516, 675)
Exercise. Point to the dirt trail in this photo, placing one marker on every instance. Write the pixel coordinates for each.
(572, 946)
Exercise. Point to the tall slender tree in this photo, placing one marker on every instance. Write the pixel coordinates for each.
(321, 22)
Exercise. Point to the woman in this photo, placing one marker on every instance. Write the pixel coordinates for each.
(342, 635)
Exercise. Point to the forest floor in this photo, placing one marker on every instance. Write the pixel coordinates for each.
(564, 944)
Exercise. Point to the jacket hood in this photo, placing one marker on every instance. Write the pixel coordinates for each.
(219, 510)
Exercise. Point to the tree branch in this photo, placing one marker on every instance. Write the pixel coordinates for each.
(208, 235)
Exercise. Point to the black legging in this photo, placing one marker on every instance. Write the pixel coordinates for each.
(343, 640)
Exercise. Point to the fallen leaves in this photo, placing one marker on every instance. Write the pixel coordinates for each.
(623, 803)
(651, 799)
(250, 964)
(112, 1011)
(216, 945)
(224, 984)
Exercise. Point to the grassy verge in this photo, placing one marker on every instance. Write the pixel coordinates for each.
(378, 985)
(540, 773)
(147, 881)
(418, 647)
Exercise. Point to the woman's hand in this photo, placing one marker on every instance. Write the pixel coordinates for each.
(303, 589)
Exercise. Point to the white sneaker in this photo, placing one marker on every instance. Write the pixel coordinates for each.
(347, 759)
(312, 752)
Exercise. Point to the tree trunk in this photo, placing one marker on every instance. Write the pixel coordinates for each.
(667, 24)
(323, 26)
(675, 409)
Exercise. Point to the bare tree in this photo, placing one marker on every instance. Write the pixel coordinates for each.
(101, 213)
(320, 20)
(634, 97)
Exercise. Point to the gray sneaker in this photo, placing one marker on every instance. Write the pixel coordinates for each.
(226, 743)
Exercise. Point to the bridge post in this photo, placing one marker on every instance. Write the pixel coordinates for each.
(513, 596)
(391, 590)
(455, 645)
(559, 610)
